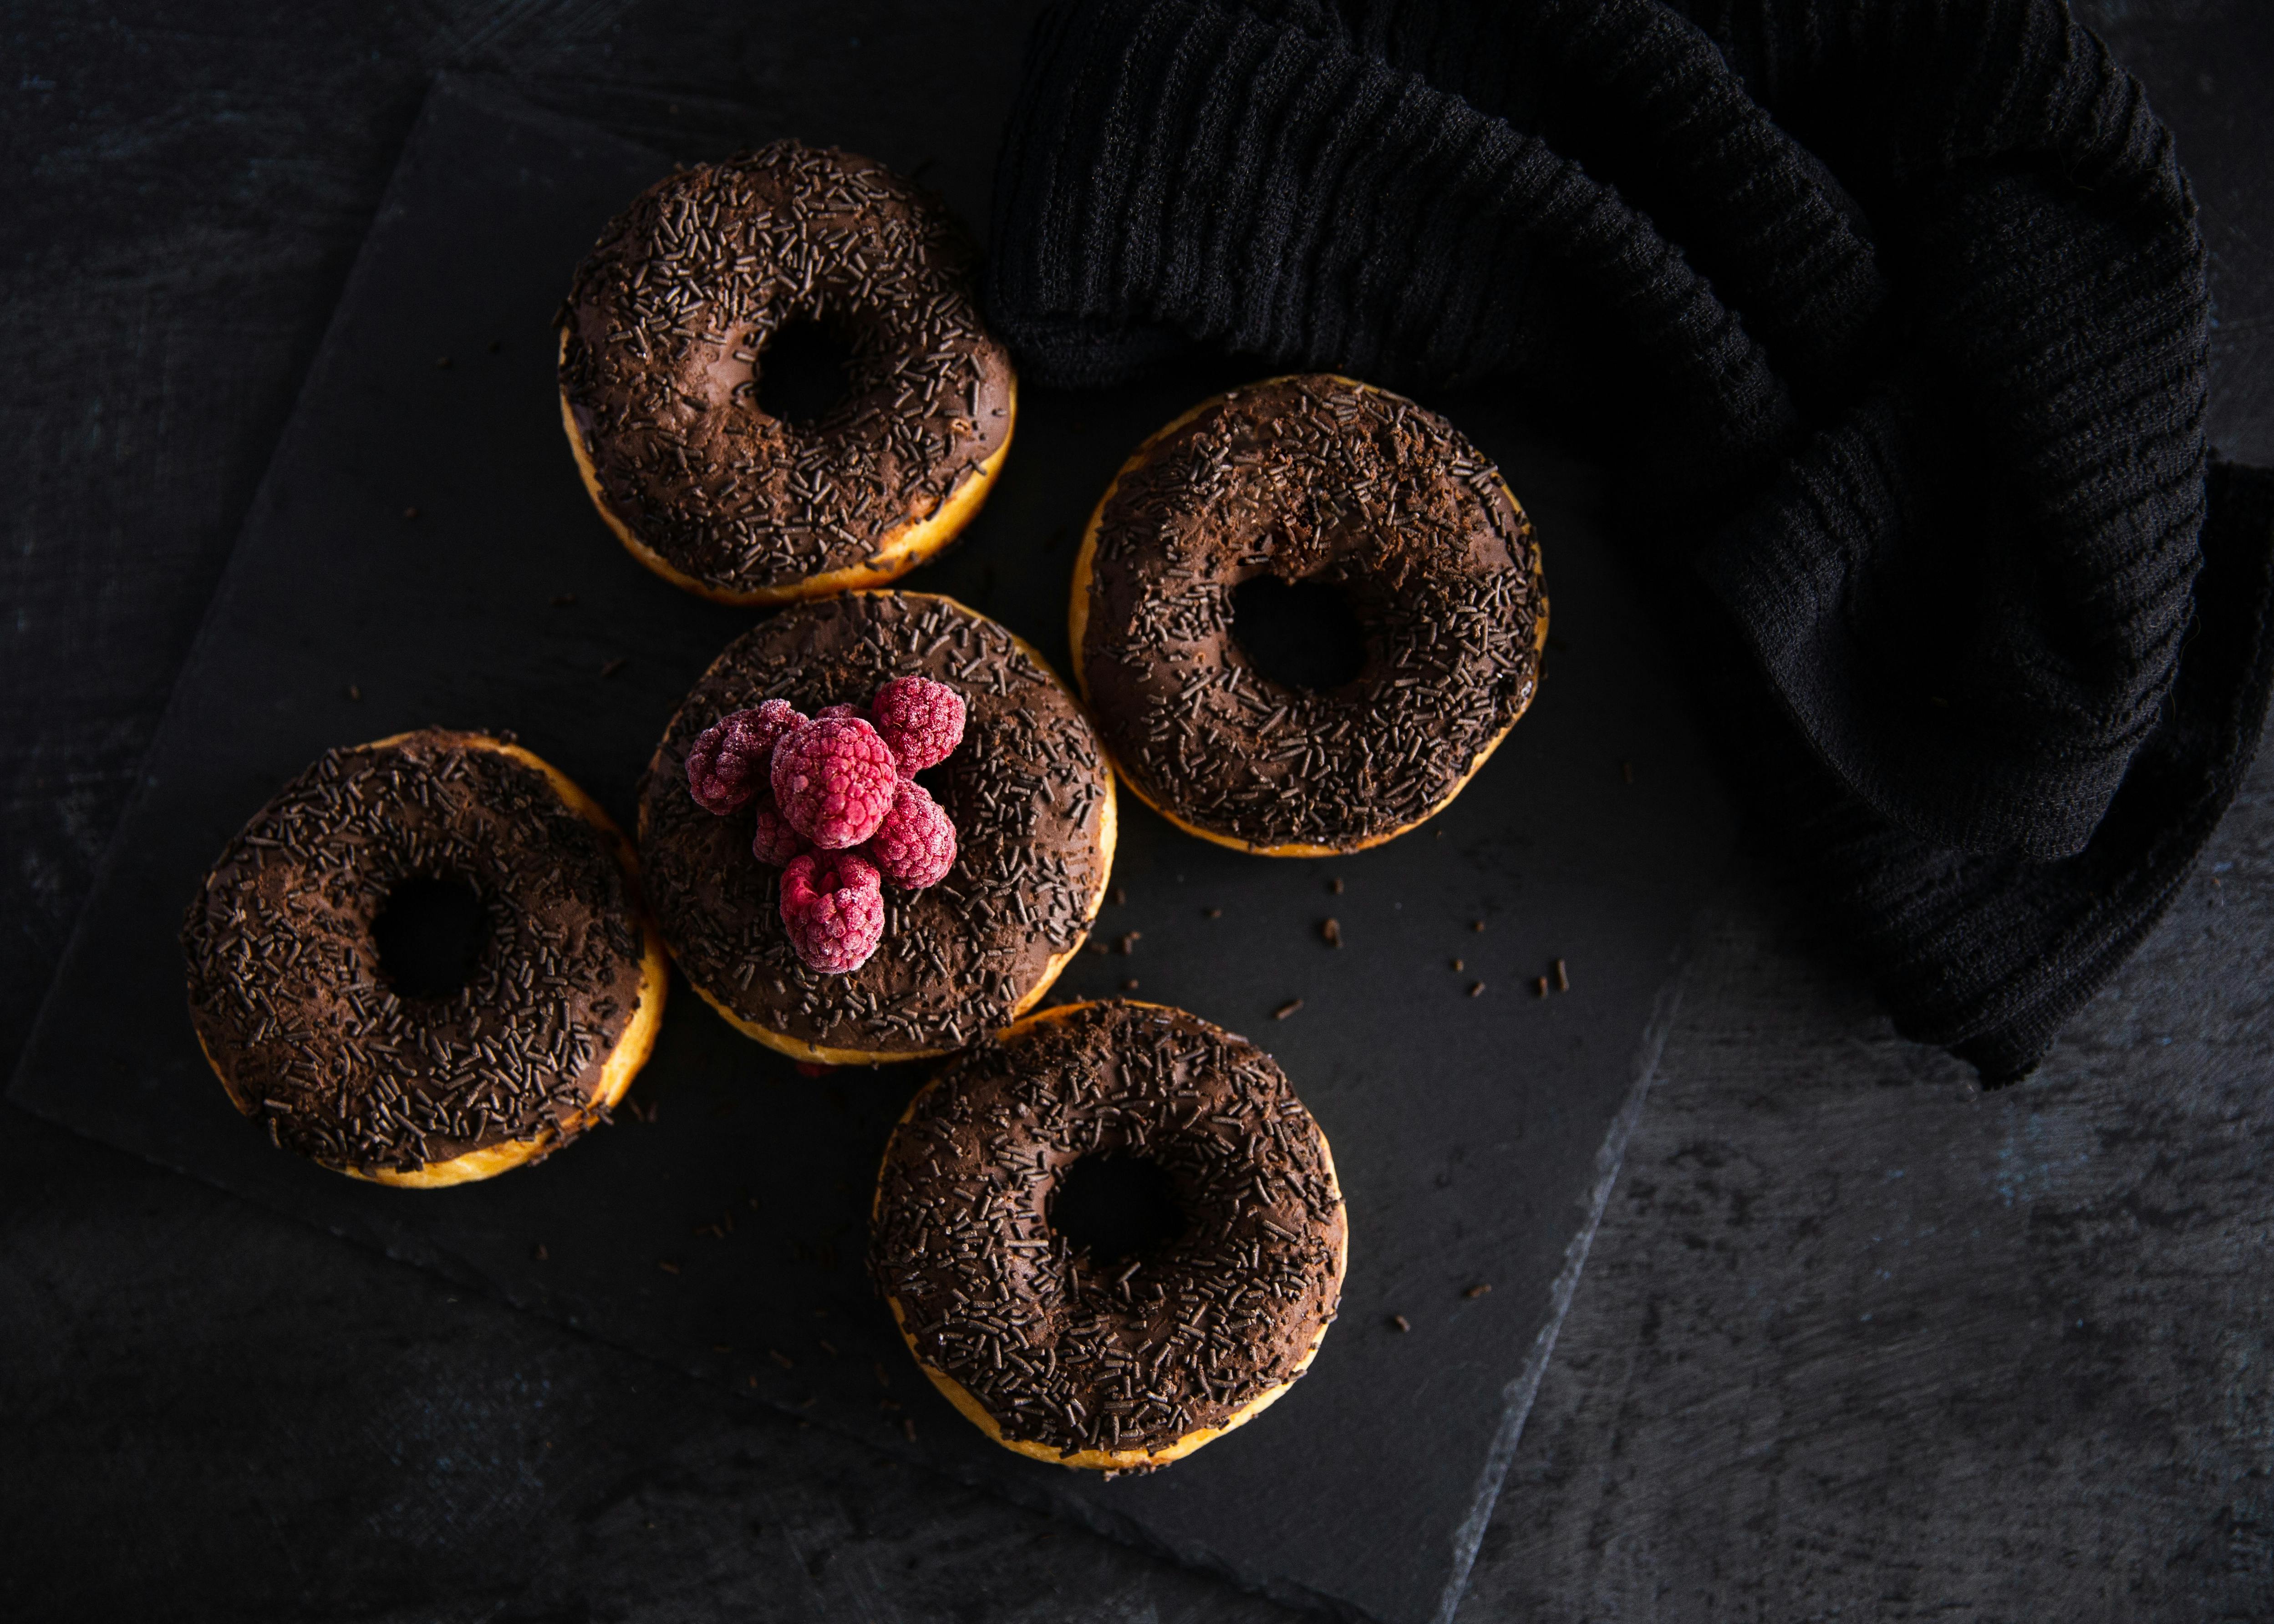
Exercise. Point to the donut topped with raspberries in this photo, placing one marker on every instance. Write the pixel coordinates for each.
(876, 830)
(844, 812)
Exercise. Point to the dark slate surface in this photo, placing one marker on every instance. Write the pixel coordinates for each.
(406, 562)
(208, 1411)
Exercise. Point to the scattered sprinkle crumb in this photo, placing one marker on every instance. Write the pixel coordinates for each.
(883, 1379)
(825, 1347)
(411, 513)
(1331, 933)
(1287, 1009)
(1211, 913)
(753, 1381)
(1335, 885)
(1125, 943)
(1626, 771)
(1540, 987)
(809, 1401)
(442, 363)
(539, 1253)
(1399, 1322)
(1477, 1291)
(1130, 985)
(1458, 964)
(1476, 989)
(1562, 977)
(356, 693)
(1119, 894)
(668, 1268)
(908, 1427)
(614, 666)
(781, 1358)
(1476, 924)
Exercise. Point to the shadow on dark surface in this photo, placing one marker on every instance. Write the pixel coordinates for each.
(1298, 634)
(804, 373)
(430, 933)
(1112, 1207)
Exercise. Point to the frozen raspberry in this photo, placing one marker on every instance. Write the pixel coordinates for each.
(833, 904)
(922, 719)
(833, 780)
(853, 711)
(915, 846)
(776, 842)
(729, 762)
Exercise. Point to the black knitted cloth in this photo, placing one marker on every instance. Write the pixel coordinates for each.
(1891, 314)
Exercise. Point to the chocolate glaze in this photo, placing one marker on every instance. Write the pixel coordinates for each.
(286, 990)
(1025, 790)
(1311, 477)
(665, 331)
(1134, 1355)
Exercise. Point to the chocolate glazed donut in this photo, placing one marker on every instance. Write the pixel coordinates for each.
(1029, 793)
(299, 1011)
(664, 345)
(1307, 479)
(1129, 1363)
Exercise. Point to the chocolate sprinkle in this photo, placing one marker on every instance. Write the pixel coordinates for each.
(286, 989)
(664, 334)
(1026, 792)
(1317, 479)
(1068, 1354)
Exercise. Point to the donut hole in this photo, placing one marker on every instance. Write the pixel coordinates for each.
(805, 372)
(430, 933)
(1298, 634)
(1116, 1206)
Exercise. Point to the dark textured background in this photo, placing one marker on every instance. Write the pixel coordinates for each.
(1855, 1341)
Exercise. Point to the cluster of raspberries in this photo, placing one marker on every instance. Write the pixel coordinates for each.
(839, 811)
